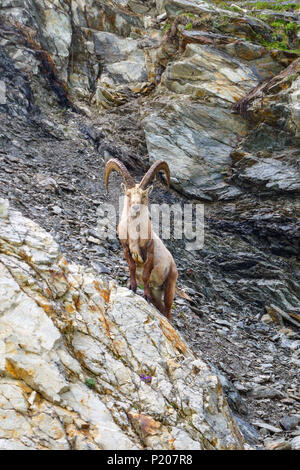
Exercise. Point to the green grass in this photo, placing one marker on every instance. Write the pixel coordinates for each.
(260, 5)
(284, 31)
(273, 6)
(283, 46)
(166, 27)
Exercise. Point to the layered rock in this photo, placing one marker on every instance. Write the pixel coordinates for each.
(194, 59)
(197, 137)
(123, 68)
(87, 365)
(196, 140)
(267, 156)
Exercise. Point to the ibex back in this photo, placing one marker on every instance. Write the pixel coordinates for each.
(150, 262)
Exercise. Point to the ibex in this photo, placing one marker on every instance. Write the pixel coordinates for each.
(149, 261)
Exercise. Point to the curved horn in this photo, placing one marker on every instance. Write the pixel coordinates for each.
(161, 165)
(115, 165)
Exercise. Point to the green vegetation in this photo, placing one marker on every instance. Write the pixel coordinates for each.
(273, 6)
(189, 15)
(285, 31)
(90, 382)
(226, 6)
(260, 5)
(166, 27)
(284, 36)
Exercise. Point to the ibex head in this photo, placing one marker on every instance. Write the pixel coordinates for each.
(137, 194)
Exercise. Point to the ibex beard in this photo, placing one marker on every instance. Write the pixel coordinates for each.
(150, 262)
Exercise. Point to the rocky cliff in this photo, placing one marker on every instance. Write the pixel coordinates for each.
(213, 88)
(87, 365)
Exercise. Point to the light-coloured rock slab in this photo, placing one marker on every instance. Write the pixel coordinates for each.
(74, 351)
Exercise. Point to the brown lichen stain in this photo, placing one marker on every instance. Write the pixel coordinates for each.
(118, 348)
(25, 256)
(69, 308)
(46, 306)
(105, 293)
(172, 365)
(107, 324)
(26, 390)
(172, 336)
(11, 370)
(49, 293)
(77, 301)
(71, 431)
(18, 373)
(63, 261)
(171, 444)
(145, 424)
(80, 356)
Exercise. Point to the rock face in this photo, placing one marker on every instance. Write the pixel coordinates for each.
(196, 141)
(199, 59)
(211, 87)
(87, 365)
(124, 67)
(205, 71)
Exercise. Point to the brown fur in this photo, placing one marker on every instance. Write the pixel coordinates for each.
(149, 261)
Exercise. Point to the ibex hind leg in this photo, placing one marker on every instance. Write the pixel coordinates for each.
(169, 291)
(156, 298)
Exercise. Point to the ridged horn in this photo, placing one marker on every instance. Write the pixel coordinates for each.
(115, 165)
(160, 165)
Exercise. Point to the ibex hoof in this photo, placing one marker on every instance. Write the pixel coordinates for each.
(148, 298)
(133, 288)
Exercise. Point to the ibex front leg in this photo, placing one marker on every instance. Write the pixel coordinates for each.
(148, 267)
(131, 266)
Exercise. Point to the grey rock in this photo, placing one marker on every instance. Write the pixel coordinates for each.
(124, 67)
(272, 174)
(249, 432)
(235, 401)
(205, 71)
(57, 210)
(280, 444)
(295, 443)
(196, 140)
(4, 206)
(288, 423)
(266, 426)
(262, 391)
(173, 7)
(100, 268)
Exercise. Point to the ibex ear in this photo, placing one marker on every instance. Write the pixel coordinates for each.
(123, 186)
